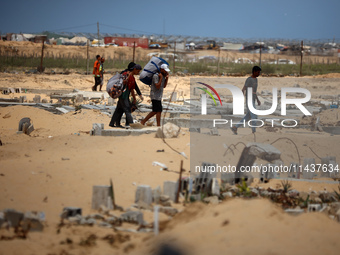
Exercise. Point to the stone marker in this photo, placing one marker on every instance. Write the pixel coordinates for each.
(2, 218)
(169, 130)
(170, 189)
(101, 195)
(215, 189)
(294, 170)
(308, 174)
(22, 99)
(37, 99)
(143, 194)
(133, 217)
(173, 97)
(156, 195)
(32, 222)
(79, 98)
(97, 128)
(13, 217)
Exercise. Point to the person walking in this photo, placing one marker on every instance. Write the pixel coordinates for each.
(96, 73)
(251, 82)
(159, 83)
(101, 70)
(123, 104)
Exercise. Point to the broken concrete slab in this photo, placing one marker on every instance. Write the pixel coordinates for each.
(70, 212)
(101, 195)
(170, 211)
(127, 132)
(13, 217)
(133, 217)
(32, 222)
(332, 130)
(251, 152)
(143, 194)
(170, 189)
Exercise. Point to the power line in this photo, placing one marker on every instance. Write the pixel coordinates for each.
(128, 29)
(93, 24)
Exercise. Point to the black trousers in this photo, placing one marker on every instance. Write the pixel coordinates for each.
(123, 106)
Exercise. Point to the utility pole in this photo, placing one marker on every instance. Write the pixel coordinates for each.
(260, 53)
(218, 62)
(42, 56)
(174, 56)
(87, 57)
(134, 51)
(301, 58)
(98, 32)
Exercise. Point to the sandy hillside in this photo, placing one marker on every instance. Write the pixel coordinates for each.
(57, 165)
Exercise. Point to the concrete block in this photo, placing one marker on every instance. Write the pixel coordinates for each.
(156, 195)
(2, 219)
(133, 217)
(22, 122)
(335, 174)
(22, 99)
(143, 194)
(215, 188)
(314, 207)
(170, 189)
(170, 211)
(13, 217)
(228, 178)
(70, 212)
(97, 128)
(325, 161)
(308, 174)
(101, 195)
(294, 170)
(32, 222)
(37, 99)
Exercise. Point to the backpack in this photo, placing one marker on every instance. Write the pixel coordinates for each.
(151, 68)
(115, 86)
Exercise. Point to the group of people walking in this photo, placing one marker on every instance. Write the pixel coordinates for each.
(124, 105)
(159, 82)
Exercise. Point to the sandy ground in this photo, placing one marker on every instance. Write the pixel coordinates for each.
(57, 165)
